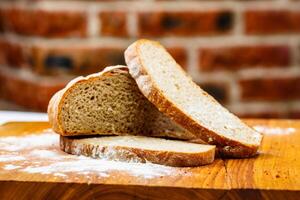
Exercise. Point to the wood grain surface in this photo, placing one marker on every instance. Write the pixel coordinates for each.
(274, 174)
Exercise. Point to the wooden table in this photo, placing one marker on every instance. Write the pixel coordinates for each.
(33, 167)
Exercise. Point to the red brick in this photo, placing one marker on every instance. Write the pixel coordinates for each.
(7, 105)
(1, 84)
(234, 58)
(270, 88)
(44, 93)
(33, 93)
(272, 21)
(113, 24)
(20, 92)
(180, 55)
(45, 23)
(12, 54)
(1, 20)
(74, 60)
(188, 23)
(295, 114)
(218, 90)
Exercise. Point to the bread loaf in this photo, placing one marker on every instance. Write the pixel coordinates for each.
(140, 149)
(108, 103)
(168, 87)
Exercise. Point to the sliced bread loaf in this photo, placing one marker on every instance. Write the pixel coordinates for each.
(108, 103)
(140, 149)
(168, 87)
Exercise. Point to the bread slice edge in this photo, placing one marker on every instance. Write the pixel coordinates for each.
(79, 147)
(55, 103)
(226, 147)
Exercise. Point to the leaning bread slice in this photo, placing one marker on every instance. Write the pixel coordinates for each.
(167, 86)
(140, 149)
(108, 103)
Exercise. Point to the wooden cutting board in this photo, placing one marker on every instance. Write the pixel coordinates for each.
(33, 167)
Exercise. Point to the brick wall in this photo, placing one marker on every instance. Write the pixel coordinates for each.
(245, 53)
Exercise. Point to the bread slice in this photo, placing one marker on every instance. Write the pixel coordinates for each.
(140, 149)
(108, 103)
(168, 87)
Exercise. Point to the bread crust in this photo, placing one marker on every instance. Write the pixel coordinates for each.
(130, 154)
(55, 104)
(55, 107)
(226, 147)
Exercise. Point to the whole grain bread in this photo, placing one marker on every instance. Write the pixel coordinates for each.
(173, 92)
(140, 149)
(108, 103)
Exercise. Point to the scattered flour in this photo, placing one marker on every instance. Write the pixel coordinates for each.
(10, 167)
(274, 130)
(83, 165)
(8, 158)
(28, 141)
(40, 154)
(59, 174)
(44, 153)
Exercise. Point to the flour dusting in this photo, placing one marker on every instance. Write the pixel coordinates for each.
(7, 158)
(86, 166)
(10, 167)
(59, 174)
(15, 143)
(44, 153)
(40, 154)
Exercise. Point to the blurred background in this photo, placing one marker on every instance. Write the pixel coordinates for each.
(246, 53)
